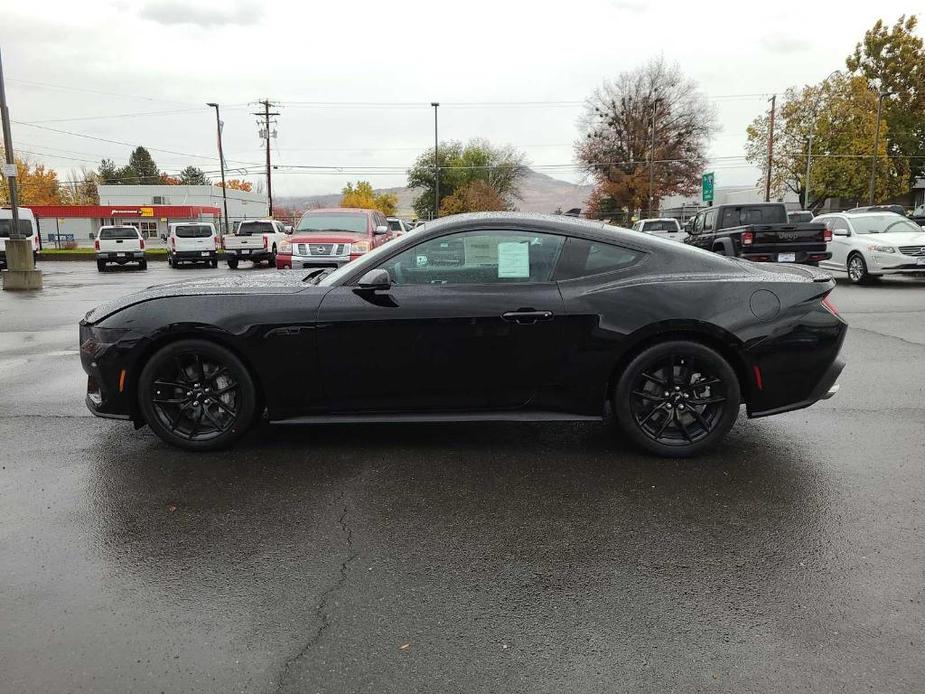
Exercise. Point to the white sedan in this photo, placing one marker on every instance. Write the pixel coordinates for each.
(868, 245)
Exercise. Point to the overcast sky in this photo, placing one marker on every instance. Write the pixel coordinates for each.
(354, 80)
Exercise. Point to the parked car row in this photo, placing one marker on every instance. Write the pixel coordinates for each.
(866, 242)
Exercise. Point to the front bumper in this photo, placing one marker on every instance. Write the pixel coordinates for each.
(313, 261)
(894, 263)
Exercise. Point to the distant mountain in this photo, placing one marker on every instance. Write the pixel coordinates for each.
(539, 193)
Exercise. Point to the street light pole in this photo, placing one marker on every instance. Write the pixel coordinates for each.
(873, 158)
(767, 188)
(436, 104)
(221, 161)
(809, 163)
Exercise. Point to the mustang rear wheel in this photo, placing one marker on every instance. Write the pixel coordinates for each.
(677, 398)
(196, 395)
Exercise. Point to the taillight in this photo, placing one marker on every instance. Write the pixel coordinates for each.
(829, 306)
(173, 242)
(96, 244)
(264, 243)
(747, 238)
(142, 244)
(827, 235)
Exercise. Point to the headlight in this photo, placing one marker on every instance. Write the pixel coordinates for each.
(881, 249)
(359, 247)
(285, 248)
(95, 340)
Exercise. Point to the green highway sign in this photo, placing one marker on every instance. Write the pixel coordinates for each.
(706, 187)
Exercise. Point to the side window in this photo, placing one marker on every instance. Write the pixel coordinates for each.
(698, 223)
(583, 258)
(708, 218)
(478, 257)
(838, 223)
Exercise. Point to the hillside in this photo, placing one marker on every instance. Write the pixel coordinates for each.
(539, 193)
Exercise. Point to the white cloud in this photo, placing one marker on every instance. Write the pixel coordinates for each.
(173, 12)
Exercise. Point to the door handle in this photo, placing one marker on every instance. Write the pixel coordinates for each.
(526, 317)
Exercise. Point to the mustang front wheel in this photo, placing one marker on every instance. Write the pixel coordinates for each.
(196, 395)
(677, 398)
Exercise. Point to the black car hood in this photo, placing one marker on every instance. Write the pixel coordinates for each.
(285, 282)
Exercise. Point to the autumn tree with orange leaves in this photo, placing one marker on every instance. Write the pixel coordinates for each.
(36, 185)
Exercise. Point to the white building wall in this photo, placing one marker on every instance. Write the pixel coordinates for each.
(241, 204)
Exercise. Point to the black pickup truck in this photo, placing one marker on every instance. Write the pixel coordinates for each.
(759, 231)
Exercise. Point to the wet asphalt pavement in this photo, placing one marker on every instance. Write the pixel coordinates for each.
(460, 558)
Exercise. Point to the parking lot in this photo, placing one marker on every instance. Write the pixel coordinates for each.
(460, 557)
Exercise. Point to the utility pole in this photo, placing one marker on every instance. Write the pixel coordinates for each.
(436, 105)
(809, 163)
(652, 155)
(221, 161)
(266, 133)
(873, 158)
(21, 272)
(767, 188)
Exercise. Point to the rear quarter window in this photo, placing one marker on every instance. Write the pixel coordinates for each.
(583, 258)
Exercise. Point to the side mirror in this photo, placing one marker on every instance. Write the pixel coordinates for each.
(375, 279)
(381, 229)
(841, 232)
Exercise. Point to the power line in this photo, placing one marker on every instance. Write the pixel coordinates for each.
(118, 142)
(68, 88)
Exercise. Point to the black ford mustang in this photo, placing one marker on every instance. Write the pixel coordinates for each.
(475, 317)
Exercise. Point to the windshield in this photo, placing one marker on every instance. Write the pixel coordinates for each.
(193, 231)
(661, 225)
(883, 223)
(395, 225)
(327, 221)
(6, 225)
(116, 233)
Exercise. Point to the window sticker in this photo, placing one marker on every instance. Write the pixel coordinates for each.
(513, 259)
(421, 260)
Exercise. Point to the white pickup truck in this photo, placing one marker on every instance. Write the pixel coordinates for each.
(255, 240)
(121, 245)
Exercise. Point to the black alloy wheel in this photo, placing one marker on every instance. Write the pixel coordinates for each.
(196, 395)
(677, 398)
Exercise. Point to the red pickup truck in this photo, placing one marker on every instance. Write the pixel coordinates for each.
(333, 237)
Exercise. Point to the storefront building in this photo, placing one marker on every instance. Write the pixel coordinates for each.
(65, 225)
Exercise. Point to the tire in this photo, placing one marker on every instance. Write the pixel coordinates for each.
(176, 383)
(701, 406)
(233, 263)
(272, 261)
(213, 263)
(143, 265)
(101, 265)
(857, 270)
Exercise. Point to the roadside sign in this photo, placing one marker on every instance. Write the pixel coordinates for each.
(9, 170)
(706, 187)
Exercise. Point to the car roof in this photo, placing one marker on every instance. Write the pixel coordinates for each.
(250, 221)
(659, 219)
(343, 210)
(861, 215)
(554, 224)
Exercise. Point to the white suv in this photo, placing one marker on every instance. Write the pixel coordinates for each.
(121, 245)
(868, 245)
(192, 242)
